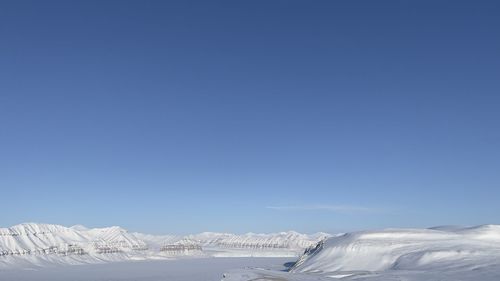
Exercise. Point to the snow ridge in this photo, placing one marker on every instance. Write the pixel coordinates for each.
(403, 249)
(446, 253)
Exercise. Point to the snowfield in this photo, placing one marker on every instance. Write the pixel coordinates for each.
(467, 254)
(182, 269)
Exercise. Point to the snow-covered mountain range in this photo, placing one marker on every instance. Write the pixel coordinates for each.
(39, 244)
(440, 253)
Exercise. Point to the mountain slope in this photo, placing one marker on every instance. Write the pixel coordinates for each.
(402, 249)
(282, 240)
(437, 254)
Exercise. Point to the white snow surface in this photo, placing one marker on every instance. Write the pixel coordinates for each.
(441, 253)
(182, 269)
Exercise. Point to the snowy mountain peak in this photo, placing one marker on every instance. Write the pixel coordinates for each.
(79, 227)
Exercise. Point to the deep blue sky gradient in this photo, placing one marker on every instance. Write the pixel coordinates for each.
(178, 117)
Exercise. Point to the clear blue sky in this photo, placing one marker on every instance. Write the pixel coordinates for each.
(179, 117)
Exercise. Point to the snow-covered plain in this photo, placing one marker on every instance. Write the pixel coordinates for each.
(183, 269)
